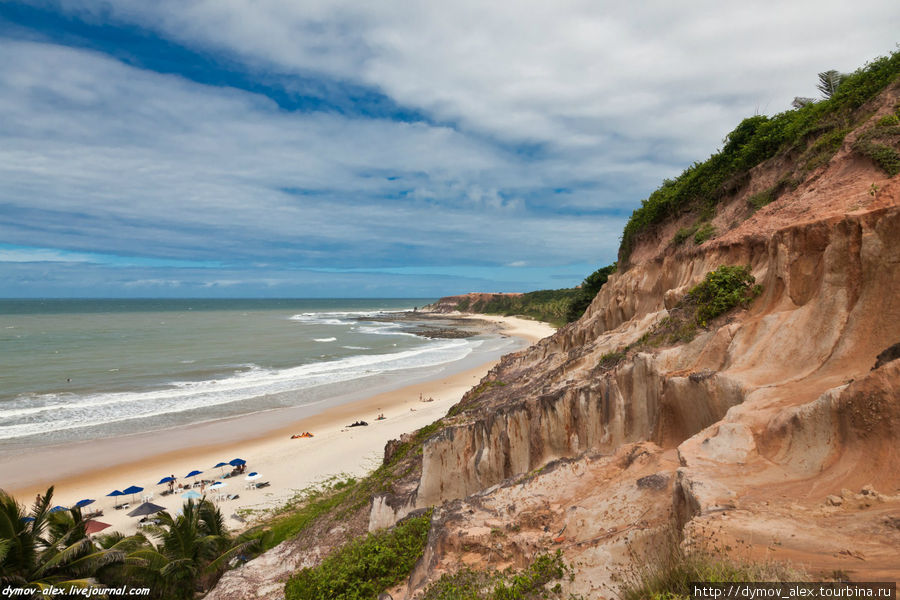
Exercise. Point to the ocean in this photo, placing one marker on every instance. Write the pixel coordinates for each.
(82, 369)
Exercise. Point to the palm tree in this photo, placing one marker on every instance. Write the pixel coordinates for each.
(829, 81)
(194, 549)
(46, 549)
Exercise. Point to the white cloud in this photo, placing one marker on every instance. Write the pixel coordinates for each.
(112, 159)
(543, 114)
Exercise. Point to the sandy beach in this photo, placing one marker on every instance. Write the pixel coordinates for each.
(93, 469)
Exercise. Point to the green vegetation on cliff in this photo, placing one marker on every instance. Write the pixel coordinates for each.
(556, 307)
(550, 306)
(366, 566)
(721, 290)
(809, 135)
(530, 582)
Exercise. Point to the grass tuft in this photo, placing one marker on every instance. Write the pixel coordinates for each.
(667, 572)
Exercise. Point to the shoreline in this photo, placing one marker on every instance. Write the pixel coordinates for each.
(262, 439)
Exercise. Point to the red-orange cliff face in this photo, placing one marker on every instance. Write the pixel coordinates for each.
(772, 434)
(769, 432)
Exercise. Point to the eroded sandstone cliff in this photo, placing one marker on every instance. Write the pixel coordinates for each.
(771, 433)
(763, 429)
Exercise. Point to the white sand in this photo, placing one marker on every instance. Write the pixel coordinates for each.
(288, 464)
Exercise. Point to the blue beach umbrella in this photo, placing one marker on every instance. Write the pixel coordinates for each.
(237, 462)
(83, 503)
(132, 490)
(56, 509)
(27, 519)
(221, 464)
(192, 474)
(116, 493)
(165, 480)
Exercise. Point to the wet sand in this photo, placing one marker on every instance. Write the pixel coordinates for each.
(93, 469)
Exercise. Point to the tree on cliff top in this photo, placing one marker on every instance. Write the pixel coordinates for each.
(589, 288)
(829, 81)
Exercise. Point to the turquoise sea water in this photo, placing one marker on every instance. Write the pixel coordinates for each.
(80, 369)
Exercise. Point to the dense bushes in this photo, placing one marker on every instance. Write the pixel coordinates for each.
(557, 307)
(878, 144)
(588, 290)
(703, 185)
(366, 566)
(543, 305)
(722, 290)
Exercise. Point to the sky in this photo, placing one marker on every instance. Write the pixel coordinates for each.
(334, 148)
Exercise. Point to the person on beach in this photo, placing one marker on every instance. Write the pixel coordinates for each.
(172, 484)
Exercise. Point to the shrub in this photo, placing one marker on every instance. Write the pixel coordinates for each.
(589, 289)
(684, 233)
(876, 144)
(530, 582)
(704, 232)
(722, 290)
(611, 359)
(761, 199)
(887, 159)
(365, 567)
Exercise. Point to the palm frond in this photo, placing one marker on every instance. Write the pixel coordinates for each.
(150, 559)
(87, 565)
(5, 546)
(63, 557)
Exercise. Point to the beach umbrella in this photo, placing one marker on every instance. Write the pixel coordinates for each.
(217, 486)
(221, 464)
(132, 490)
(116, 493)
(165, 480)
(252, 476)
(237, 462)
(192, 474)
(58, 509)
(92, 527)
(147, 508)
(191, 494)
(27, 519)
(83, 503)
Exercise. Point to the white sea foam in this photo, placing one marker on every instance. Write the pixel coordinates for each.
(45, 413)
(336, 317)
(383, 329)
(331, 339)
